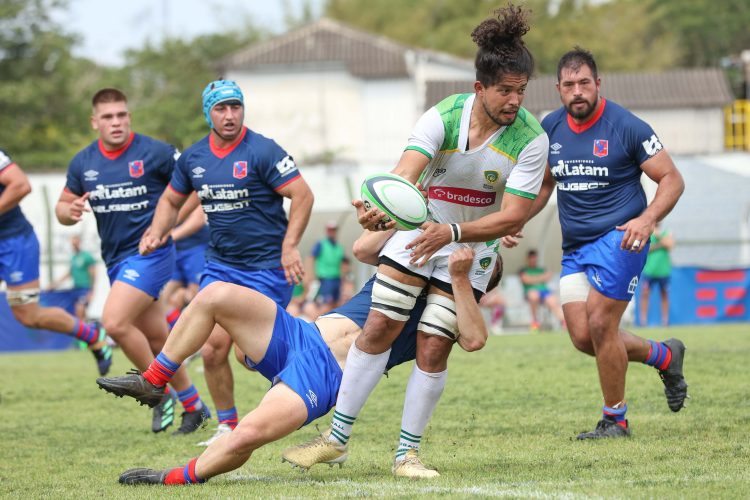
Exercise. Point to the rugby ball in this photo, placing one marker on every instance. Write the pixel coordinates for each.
(398, 198)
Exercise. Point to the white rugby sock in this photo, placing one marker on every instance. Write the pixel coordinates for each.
(361, 374)
(422, 395)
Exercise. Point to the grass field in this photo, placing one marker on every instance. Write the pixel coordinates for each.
(504, 428)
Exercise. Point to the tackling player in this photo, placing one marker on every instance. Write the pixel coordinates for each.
(19, 268)
(302, 360)
(241, 179)
(599, 152)
(481, 158)
(122, 175)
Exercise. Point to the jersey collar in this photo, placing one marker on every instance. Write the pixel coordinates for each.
(582, 127)
(113, 155)
(223, 152)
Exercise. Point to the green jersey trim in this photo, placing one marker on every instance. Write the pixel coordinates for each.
(523, 194)
(419, 150)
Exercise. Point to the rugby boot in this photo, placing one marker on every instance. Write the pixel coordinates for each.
(316, 451)
(103, 355)
(675, 387)
(606, 428)
(164, 413)
(134, 385)
(193, 420)
(143, 476)
(412, 467)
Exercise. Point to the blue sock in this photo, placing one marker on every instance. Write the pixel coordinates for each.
(617, 414)
(190, 399)
(228, 417)
(659, 356)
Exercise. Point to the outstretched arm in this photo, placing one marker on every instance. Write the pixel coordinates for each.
(471, 327)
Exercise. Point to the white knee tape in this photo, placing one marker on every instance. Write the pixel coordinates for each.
(22, 297)
(439, 317)
(393, 298)
(574, 288)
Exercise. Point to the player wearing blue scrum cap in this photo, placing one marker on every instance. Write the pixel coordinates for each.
(241, 178)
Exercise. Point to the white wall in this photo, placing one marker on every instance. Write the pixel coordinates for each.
(687, 131)
(389, 115)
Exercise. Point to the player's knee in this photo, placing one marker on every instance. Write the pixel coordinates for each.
(392, 298)
(432, 356)
(212, 356)
(26, 315)
(582, 342)
(598, 325)
(439, 317)
(115, 326)
(246, 438)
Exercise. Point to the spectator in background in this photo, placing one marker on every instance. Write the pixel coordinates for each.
(82, 273)
(536, 292)
(657, 271)
(328, 256)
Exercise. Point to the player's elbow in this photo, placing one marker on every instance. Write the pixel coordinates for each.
(364, 253)
(474, 343)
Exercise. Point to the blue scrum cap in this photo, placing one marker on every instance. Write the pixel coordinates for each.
(217, 92)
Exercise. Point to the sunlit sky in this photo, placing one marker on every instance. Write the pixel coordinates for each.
(109, 27)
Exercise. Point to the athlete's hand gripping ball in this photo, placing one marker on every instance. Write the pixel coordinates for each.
(372, 219)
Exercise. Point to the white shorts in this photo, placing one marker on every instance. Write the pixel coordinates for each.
(485, 257)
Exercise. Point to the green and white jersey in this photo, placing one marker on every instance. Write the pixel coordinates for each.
(464, 185)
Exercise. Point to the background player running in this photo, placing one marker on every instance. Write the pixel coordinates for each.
(122, 175)
(302, 360)
(19, 268)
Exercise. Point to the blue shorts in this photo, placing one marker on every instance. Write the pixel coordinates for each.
(652, 282)
(19, 259)
(298, 356)
(269, 282)
(612, 271)
(189, 265)
(329, 291)
(404, 348)
(543, 294)
(148, 273)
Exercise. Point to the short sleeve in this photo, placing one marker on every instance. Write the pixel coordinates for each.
(315, 252)
(180, 182)
(641, 140)
(167, 165)
(279, 168)
(428, 134)
(73, 181)
(526, 177)
(5, 160)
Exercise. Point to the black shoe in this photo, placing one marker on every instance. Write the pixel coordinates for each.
(675, 387)
(163, 413)
(193, 420)
(143, 476)
(606, 428)
(134, 385)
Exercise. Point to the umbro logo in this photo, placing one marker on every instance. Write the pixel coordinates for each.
(312, 397)
(556, 147)
(90, 175)
(16, 276)
(597, 279)
(131, 274)
(198, 172)
(633, 285)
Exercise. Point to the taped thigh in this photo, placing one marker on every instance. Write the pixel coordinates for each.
(574, 288)
(22, 297)
(439, 317)
(393, 298)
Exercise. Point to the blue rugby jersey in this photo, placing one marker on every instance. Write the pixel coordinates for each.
(125, 186)
(12, 222)
(238, 188)
(200, 237)
(597, 169)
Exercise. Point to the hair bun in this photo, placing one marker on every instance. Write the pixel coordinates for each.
(508, 28)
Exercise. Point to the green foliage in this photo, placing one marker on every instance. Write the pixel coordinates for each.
(504, 428)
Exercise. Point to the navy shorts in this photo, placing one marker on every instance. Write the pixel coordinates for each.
(653, 282)
(612, 271)
(270, 282)
(148, 273)
(329, 291)
(189, 265)
(298, 356)
(19, 259)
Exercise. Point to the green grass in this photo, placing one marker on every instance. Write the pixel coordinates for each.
(503, 428)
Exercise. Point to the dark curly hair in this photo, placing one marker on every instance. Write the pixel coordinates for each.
(501, 47)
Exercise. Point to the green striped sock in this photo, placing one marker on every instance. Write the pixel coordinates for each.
(341, 427)
(407, 442)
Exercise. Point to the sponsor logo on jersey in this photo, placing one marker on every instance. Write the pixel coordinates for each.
(198, 172)
(103, 192)
(239, 198)
(562, 170)
(601, 147)
(136, 168)
(131, 274)
(286, 166)
(438, 172)
(556, 147)
(652, 146)
(90, 175)
(633, 285)
(312, 397)
(485, 262)
(239, 171)
(461, 196)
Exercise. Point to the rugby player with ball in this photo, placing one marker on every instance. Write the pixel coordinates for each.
(481, 159)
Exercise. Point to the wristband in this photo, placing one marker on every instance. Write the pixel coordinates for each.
(456, 230)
